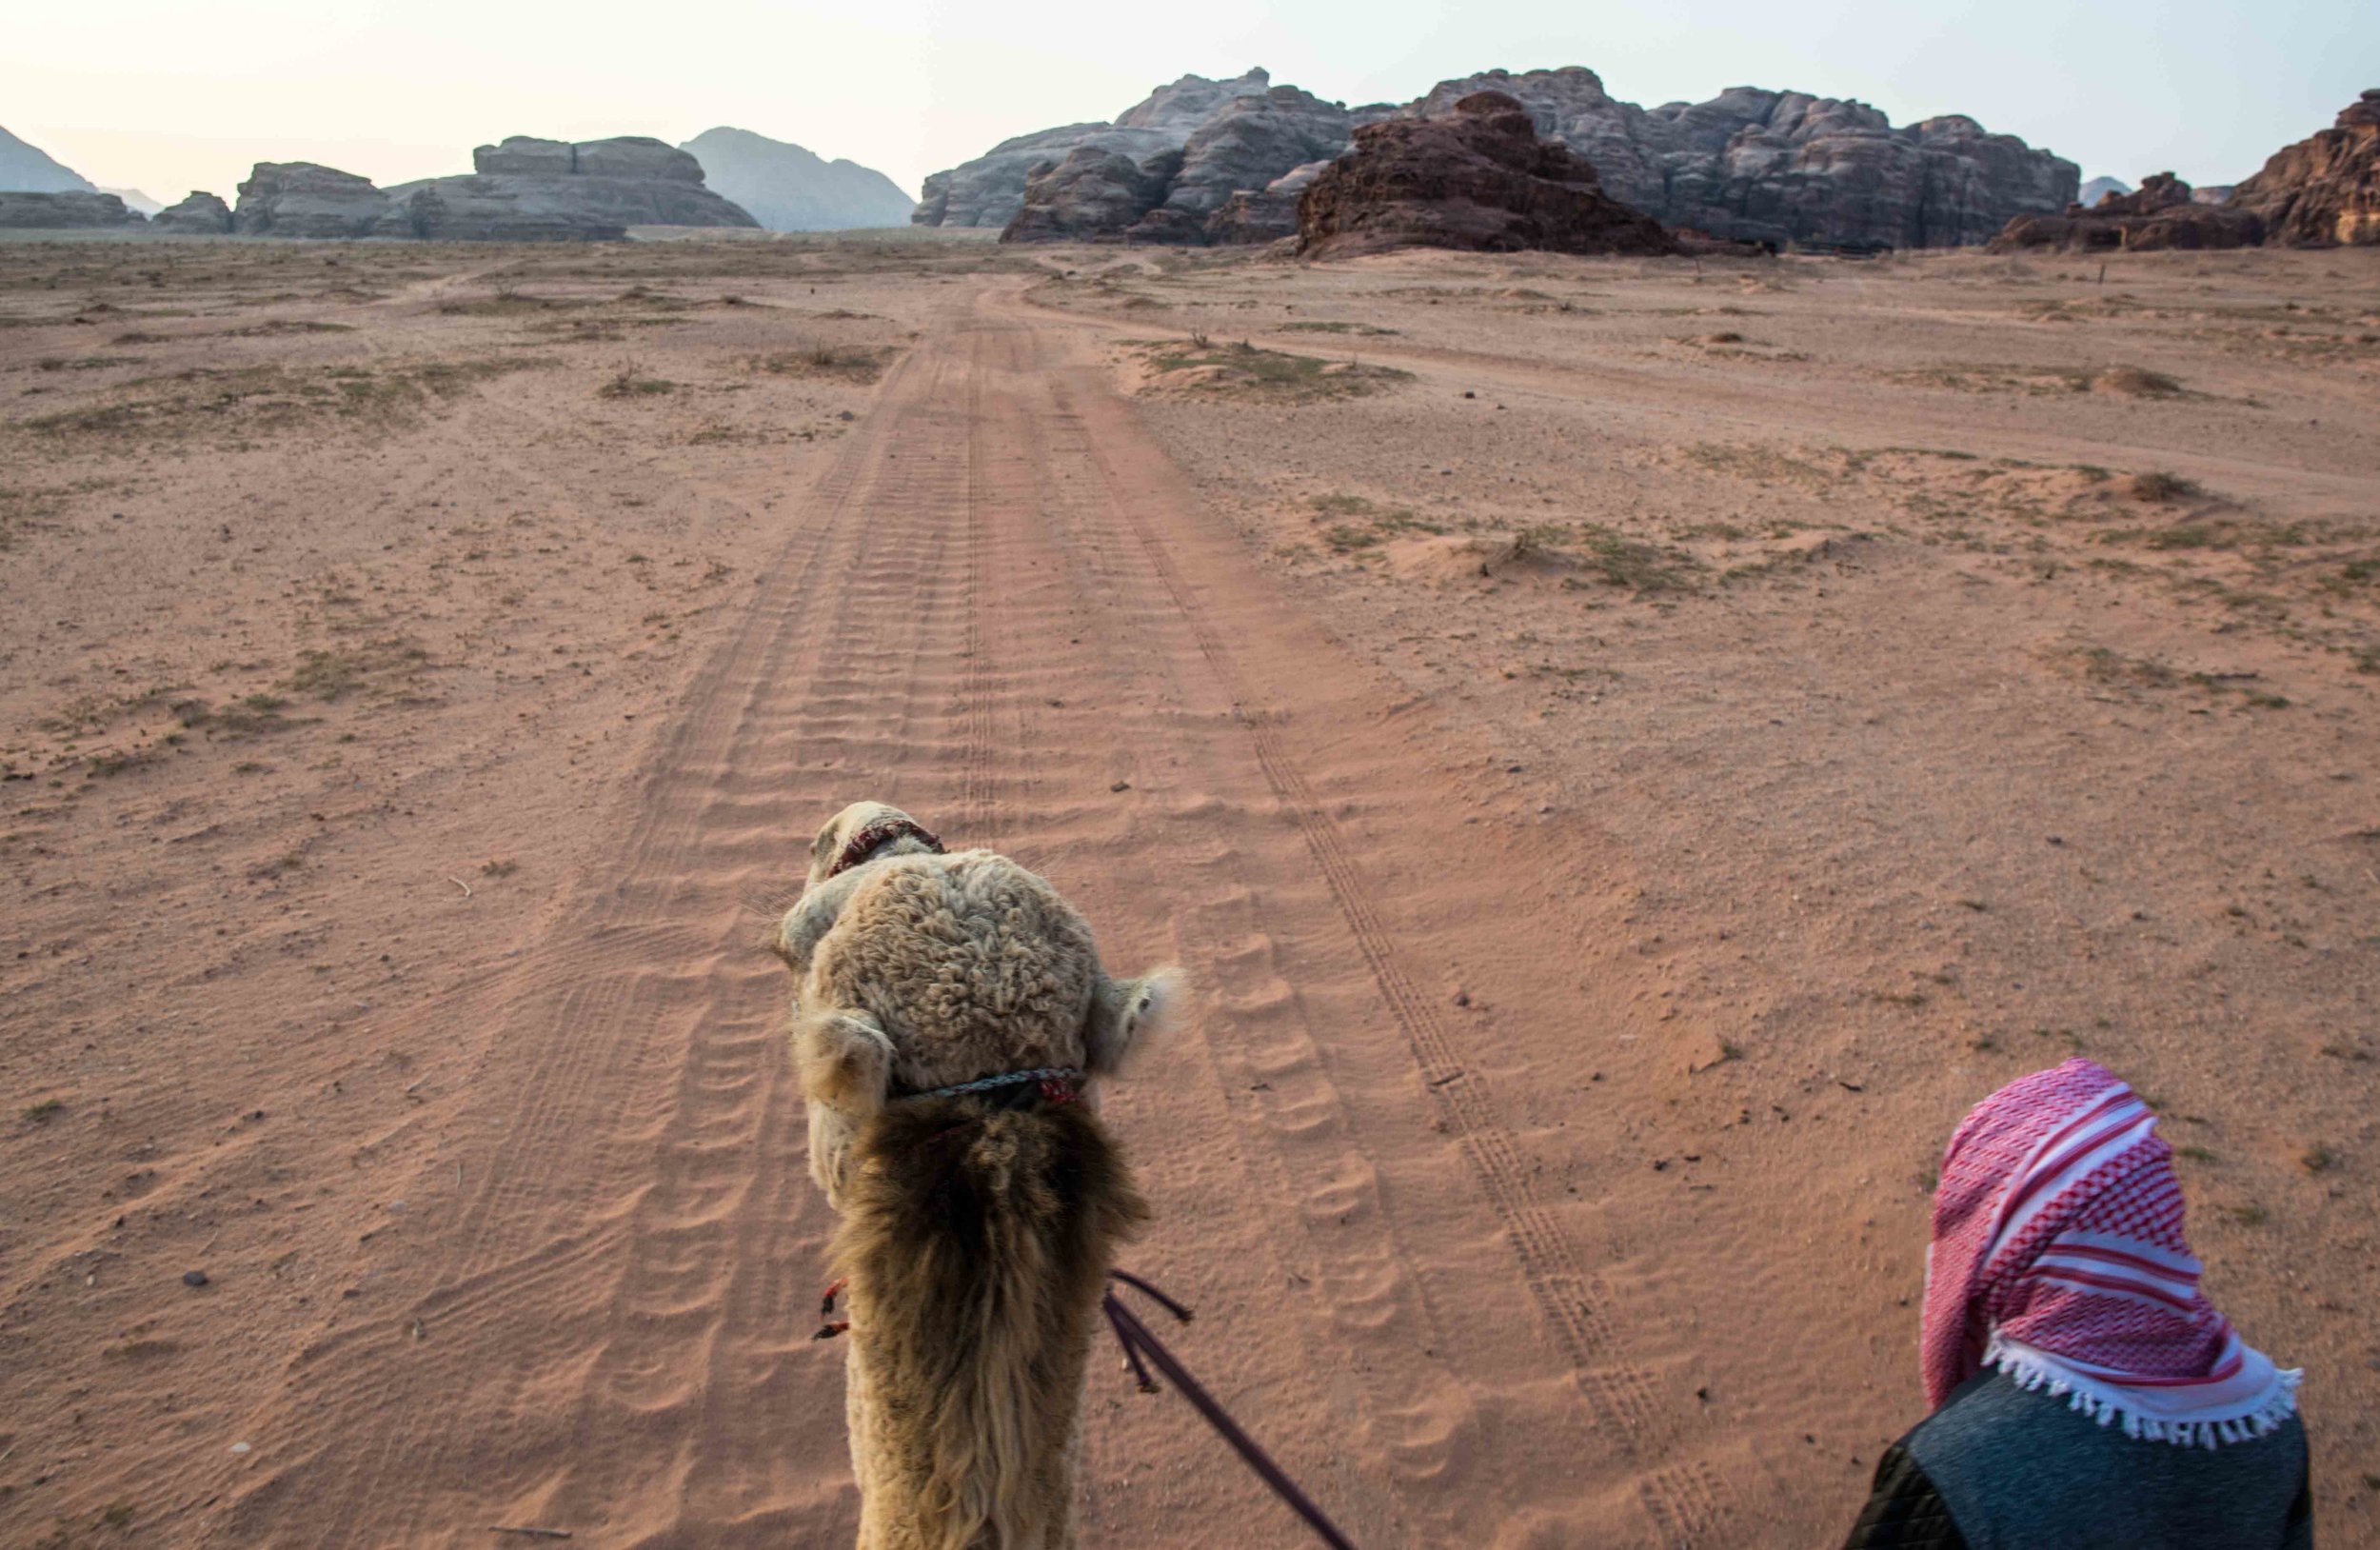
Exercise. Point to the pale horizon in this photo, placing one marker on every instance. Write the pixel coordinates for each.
(2204, 88)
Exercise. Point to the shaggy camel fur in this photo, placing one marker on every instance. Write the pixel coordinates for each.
(977, 1228)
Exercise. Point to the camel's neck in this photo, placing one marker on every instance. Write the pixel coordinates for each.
(1010, 1421)
(976, 1241)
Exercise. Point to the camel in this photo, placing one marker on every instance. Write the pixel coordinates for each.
(951, 1023)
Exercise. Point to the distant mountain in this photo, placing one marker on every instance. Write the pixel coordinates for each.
(31, 170)
(788, 189)
(134, 199)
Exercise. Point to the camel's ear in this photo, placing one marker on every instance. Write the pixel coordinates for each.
(1126, 1015)
(844, 1059)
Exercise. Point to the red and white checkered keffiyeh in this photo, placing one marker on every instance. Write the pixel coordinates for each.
(2058, 1257)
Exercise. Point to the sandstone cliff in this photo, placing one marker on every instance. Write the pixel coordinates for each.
(1750, 165)
(1266, 214)
(1179, 195)
(1759, 166)
(1094, 193)
(989, 190)
(1249, 143)
(2162, 213)
(2324, 190)
(1478, 177)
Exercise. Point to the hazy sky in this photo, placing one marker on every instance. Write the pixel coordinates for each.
(166, 95)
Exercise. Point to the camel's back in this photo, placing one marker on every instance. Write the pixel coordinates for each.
(972, 965)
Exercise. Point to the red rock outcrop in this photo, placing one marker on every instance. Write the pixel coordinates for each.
(2162, 213)
(1752, 165)
(2323, 191)
(1479, 179)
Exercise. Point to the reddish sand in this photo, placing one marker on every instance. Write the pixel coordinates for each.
(1626, 751)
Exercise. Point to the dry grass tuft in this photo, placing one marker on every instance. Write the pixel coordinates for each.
(857, 364)
(1268, 376)
(265, 400)
(2158, 488)
(332, 674)
(2135, 381)
(626, 382)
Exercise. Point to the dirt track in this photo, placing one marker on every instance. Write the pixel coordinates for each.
(1400, 1163)
(981, 621)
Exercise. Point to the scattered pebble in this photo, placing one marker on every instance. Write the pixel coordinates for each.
(194, 1277)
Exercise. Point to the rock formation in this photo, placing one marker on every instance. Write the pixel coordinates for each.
(1759, 166)
(305, 199)
(989, 190)
(528, 189)
(201, 215)
(26, 168)
(1179, 110)
(64, 211)
(2161, 214)
(1768, 167)
(1094, 193)
(1266, 214)
(1249, 143)
(1177, 196)
(2324, 190)
(1478, 178)
(523, 191)
(787, 188)
(2099, 189)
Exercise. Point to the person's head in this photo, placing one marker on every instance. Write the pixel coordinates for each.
(2058, 1255)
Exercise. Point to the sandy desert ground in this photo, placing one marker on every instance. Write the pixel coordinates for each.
(1628, 752)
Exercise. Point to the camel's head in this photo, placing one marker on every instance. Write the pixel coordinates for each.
(866, 831)
(949, 972)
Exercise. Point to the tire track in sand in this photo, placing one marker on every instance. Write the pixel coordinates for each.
(1685, 1501)
(566, 1190)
